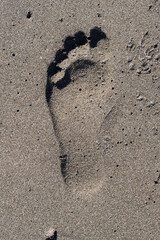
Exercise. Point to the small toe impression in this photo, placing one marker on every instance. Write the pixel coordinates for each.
(96, 35)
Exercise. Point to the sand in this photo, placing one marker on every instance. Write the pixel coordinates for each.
(80, 120)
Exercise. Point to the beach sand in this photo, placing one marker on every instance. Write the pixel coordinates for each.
(80, 120)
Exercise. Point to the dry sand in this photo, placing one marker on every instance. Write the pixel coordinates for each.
(80, 120)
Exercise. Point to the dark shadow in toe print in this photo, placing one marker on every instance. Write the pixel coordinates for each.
(64, 75)
(69, 44)
(52, 70)
(60, 55)
(80, 38)
(95, 36)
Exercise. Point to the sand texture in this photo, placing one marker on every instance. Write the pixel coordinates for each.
(80, 120)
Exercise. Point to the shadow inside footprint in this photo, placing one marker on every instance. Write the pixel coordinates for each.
(79, 64)
(76, 117)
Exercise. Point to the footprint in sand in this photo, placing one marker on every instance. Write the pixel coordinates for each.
(78, 85)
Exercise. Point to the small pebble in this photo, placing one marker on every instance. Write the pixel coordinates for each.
(150, 104)
(149, 57)
(140, 98)
(157, 57)
(148, 70)
(138, 71)
(131, 66)
(107, 138)
(129, 60)
(49, 233)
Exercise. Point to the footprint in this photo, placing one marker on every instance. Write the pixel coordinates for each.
(77, 89)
